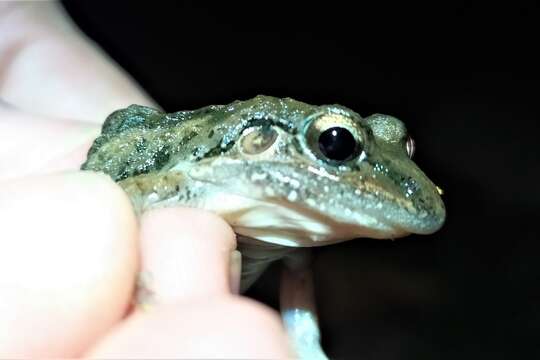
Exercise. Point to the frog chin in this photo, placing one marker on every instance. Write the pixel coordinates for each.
(289, 224)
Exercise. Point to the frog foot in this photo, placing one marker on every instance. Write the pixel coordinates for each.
(303, 331)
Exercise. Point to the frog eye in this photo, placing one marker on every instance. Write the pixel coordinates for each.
(410, 146)
(255, 140)
(337, 143)
(334, 138)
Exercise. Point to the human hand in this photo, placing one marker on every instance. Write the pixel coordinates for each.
(70, 245)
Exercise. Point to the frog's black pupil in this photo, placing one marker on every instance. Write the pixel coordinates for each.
(337, 143)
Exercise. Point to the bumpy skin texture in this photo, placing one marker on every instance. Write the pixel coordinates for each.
(139, 139)
(283, 192)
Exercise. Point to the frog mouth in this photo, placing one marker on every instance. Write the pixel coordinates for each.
(281, 222)
(289, 205)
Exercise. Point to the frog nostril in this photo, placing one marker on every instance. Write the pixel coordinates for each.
(337, 143)
(410, 146)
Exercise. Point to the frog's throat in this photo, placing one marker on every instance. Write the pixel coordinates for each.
(275, 220)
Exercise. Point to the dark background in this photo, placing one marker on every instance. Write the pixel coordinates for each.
(465, 81)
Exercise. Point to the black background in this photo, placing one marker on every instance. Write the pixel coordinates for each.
(465, 81)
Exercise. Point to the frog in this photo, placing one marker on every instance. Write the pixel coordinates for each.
(286, 175)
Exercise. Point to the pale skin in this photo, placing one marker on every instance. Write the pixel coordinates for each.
(71, 247)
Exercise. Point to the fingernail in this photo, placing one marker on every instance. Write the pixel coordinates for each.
(235, 266)
(144, 295)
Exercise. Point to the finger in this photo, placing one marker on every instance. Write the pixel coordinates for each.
(33, 145)
(50, 68)
(185, 253)
(68, 261)
(224, 327)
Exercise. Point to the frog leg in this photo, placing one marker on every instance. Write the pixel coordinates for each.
(298, 309)
(256, 257)
(147, 191)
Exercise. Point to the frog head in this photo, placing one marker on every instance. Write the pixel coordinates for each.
(295, 174)
(278, 170)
